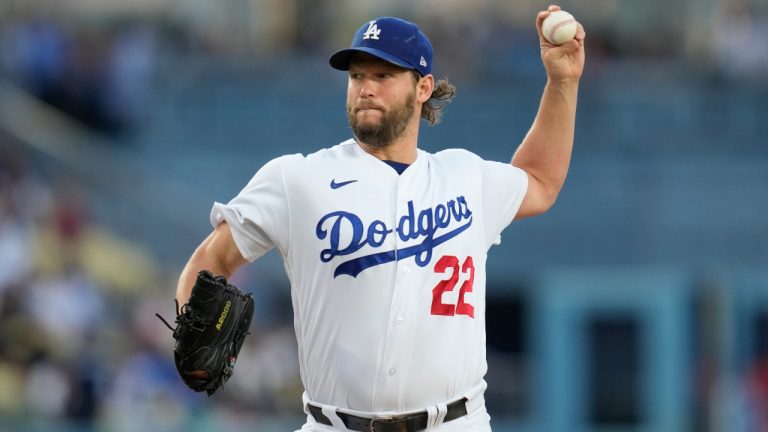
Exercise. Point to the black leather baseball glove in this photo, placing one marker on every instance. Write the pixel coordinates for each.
(210, 330)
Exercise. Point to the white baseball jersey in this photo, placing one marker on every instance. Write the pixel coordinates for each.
(387, 271)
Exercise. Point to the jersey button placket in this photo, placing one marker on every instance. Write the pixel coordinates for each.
(395, 337)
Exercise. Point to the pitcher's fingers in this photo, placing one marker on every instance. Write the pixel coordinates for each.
(539, 20)
(580, 33)
(540, 17)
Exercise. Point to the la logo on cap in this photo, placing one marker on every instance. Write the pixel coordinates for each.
(372, 32)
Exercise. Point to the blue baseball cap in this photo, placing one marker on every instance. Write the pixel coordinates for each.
(391, 39)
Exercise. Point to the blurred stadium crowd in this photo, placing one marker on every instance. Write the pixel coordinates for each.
(97, 60)
(78, 337)
(80, 348)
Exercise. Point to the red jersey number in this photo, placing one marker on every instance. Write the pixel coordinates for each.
(449, 263)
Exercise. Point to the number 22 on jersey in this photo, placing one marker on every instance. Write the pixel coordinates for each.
(449, 265)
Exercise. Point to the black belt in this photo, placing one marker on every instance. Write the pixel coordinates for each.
(405, 423)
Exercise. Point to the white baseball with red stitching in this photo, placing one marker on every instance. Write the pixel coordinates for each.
(559, 27)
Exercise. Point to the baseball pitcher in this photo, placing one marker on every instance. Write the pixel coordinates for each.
(384, 244)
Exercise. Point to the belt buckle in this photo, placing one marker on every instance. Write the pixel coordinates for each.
(396, 424)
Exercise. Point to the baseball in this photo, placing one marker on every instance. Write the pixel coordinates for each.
(559, 27)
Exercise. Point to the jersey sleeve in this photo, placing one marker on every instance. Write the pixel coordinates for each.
(258, 215)
(504, 187)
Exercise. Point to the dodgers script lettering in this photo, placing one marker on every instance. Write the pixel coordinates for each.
(433, 226)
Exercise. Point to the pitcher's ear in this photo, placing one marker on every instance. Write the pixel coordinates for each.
(424, 87)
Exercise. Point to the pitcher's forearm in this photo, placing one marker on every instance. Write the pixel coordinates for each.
(546, 150)
(218, 254)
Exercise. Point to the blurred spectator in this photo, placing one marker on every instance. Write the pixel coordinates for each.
(739, 33)
(99, 76)
(12, 381)
(146, 391)
(757, 394)
(313, 17)
(70, 214)
(88, 380)
(130, 67)
(36, 52)
(23, 202)
(145, 388)
(67, 306)
(15, 241)
(47, 389)
(60, 233)
(268, 371)
(30, 198)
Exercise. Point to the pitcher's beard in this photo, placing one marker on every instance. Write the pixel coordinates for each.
(392, 125)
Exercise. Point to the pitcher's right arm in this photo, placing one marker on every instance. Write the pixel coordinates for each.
(218, 253)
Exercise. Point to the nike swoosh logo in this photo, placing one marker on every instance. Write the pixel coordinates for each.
(335, 185)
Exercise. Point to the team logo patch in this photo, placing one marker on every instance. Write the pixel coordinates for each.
(433, 226)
